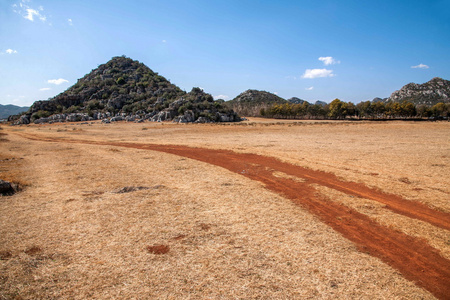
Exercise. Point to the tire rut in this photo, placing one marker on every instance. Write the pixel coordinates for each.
(413, 257)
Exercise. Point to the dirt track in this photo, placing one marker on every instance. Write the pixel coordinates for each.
(414, 258)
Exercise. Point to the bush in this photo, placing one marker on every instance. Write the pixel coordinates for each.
(72, 109)
(120, 81)
(181, 110)
(40, 114)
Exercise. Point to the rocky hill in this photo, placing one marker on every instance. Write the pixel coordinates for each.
(296, 100)
(125, 89)
(250, 102)
(378, 99)
(320, 103)
(9, 109)
(434, 91)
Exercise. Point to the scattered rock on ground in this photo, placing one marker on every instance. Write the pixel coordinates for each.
(8, 188)
(129, 189)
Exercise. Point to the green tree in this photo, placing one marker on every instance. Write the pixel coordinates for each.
(262, 112)
(408, 109)
(378, 108)
(440, 110)
(337, 109)
(351, 109)
(365, 109)
(394, 109)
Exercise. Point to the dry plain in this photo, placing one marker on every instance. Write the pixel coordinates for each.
(212, 221)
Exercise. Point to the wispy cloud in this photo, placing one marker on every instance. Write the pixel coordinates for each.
(164, 41)
(9, 51)
(420, 66)
(317, 73)
(70, 22)
(57, 81)
(45, 89)
(224, 97)
(29, 13)
(328, 60)
(309, 88)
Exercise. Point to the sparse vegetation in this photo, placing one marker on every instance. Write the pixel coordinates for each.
(338, 109)
(217, 228)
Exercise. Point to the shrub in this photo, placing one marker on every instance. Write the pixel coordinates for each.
(120, 81)
(40, 114)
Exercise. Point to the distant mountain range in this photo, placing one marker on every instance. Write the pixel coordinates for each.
(125, 89)
(9, 109)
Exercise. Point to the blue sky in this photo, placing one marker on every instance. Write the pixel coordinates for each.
(314, 50)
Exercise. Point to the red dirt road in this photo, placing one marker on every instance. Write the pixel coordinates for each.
(414, 258)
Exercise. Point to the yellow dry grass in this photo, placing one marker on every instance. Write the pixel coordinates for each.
(70, 235)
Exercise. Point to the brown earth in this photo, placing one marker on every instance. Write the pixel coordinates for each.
(410, 254)
(414, 258)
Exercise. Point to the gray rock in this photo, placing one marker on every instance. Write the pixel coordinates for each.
(41, 121)
(429, 93)
(116, 118)
(165, 115)
(129, 189)
(24, 119)
(202, 120)
(8, 188)
(117, 102)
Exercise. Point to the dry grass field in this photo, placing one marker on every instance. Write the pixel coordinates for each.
(106, 214)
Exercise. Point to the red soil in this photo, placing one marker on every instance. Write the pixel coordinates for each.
(413, 257)
(158, 249)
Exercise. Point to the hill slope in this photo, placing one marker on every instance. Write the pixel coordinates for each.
(295, 100)
(429, 93)
(127, 89)
(9, 109)
(250, 102)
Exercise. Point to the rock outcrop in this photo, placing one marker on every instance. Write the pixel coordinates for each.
(126, 90)
(8, 188)
(430, 93)
(295, 100)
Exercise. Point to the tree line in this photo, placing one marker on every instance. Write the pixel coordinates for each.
(339, 110)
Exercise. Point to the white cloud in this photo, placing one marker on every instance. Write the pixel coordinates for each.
(328, 60)
(28, 12)
(309, 88)
(70, 22)
(291, 77)
(420, 66)
(164, 41)
(316, 73)
(224, 97)
(45, 89)
(9, 51)
(57, 81)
